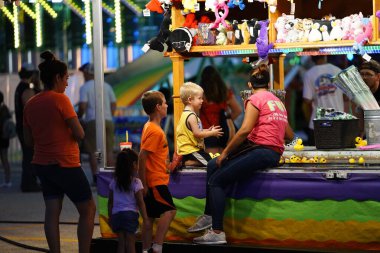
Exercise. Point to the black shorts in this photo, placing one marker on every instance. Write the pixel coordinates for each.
(57, 181)
(158, 201)
(127, 221)
(200, 156)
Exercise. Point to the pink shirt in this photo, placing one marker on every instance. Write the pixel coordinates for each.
(271, 124)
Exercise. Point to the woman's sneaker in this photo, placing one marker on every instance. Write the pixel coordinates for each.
(203, 222)
(210, 237)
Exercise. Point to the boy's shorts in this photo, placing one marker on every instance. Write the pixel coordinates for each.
(57, 181)
(127, 221)
(200, 156)
(158, 201)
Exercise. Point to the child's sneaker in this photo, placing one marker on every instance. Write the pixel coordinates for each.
(203, 222)
(210, 237)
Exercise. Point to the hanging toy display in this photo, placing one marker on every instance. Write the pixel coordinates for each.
(220, 17)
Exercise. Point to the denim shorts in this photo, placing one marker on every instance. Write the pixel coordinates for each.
(57, 181)
(125, 221)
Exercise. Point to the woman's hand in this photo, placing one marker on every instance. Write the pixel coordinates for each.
(220, 159)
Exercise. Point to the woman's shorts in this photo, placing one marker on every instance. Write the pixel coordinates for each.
(57, 181)
(125, 221)
(158, 201)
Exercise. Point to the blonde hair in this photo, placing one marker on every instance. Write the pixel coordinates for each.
(188, 90)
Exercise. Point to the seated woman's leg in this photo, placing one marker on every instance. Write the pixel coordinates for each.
(238, 169)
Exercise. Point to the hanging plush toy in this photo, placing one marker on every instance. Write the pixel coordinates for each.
(363, 38)
(157, 43)
(262, 41)
(210, 5)
(189, 6)
(232, 3)
(220, 5)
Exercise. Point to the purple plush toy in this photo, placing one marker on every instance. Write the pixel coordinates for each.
(262, 41)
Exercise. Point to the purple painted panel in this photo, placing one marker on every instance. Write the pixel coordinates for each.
(278, 186)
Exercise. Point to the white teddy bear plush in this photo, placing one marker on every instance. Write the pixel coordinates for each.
(336, 32)
(325, 33)
(315, 35)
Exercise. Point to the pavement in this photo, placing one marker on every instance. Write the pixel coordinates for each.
(22, 216)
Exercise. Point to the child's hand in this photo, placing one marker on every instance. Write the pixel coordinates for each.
(216, 131)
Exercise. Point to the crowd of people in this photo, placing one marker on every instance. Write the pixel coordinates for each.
(50, 131)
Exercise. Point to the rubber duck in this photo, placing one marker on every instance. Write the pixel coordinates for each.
(322, 160)
(361, 160)
(304, 160)
(293, 159)
(214, 155)
(282, 160)
(360, 142)
(351, 160)
(298, 146)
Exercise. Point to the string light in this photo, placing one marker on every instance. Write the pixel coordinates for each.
(87, 13)
(7, 13)
(48, 9)
(38, 25)
(16, 28)
(118, 30)
(27, 10)
(75, 7)
(108, 9)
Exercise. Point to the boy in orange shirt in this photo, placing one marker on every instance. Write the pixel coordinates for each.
(153, 161)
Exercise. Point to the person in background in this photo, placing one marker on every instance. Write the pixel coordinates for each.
(190, 134)
(370, 72)
(217, 97)
(320, 91)
(265, 126)
(24, 91)
(87, 109)
(125, 199)
(153, 172)
(4, 143)
(168, 125)
(52, 128)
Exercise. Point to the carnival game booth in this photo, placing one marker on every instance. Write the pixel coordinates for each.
(306, 206)
(329, 204)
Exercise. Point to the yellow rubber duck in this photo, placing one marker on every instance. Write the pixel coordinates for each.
(304, 160)
(293, 159)
(360, 142)
(298, 146)
(282, 160)
(361, 160)
(322, 160)
(214, 155)
(351, 160)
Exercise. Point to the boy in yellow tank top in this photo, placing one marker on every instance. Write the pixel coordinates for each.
(190, 133)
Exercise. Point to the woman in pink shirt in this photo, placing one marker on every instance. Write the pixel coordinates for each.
(266, 125)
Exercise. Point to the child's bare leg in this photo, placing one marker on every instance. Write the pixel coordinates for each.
(121, 242)
(147, 232)
(163, 226)
(130, 240)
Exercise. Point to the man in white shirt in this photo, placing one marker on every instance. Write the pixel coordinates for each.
(320, 91)
(87, 108)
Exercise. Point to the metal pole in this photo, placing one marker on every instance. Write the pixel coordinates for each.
(99, 79)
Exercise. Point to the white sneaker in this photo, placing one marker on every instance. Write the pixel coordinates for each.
(210, 237)
(203, 222)
(6, 185)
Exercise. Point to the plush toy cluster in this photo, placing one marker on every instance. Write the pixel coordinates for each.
(353, 27)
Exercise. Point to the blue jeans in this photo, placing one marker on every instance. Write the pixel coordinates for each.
(238, 169)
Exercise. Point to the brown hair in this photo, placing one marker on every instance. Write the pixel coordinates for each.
(214, 87)
(150, 99)
(259, 77)
(50, 68)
